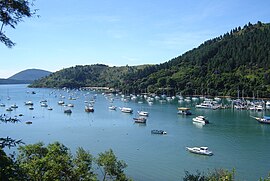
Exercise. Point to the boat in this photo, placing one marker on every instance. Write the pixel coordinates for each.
(200, 119)
(140, 120)
(267, 105)
(9, 109)
(184, 111)
(50, 108)
(143, 113)
(263, 120)
(126, 109)
(200, 150)
(29, 103)
(68, 111)
(208, 104)
(61, 102)
(2, 105)
(112, 107)
(155, 131)
(43, 104)
(70, 105)
(14, 106)
(31, 108)
(89, 108)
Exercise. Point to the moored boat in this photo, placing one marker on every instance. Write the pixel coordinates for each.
(184, 111)
(155, 131)
(140, 120)
(126, 109)
(143, 113)
(263, 120)
(200, 119)
(68, 111)
(112, 107)
(200, 150)
(89, 108)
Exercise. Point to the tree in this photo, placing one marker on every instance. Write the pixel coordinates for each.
(54, 162)
(12, 12)
(111, 167)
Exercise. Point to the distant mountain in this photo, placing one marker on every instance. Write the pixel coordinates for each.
(30, 74)
(26, 76)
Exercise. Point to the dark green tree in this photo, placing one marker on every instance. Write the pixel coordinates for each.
(13, 12)
(111, 167)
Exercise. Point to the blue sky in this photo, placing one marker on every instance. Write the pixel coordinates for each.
(121, 32)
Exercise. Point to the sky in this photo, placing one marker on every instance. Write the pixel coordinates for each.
(120, 32)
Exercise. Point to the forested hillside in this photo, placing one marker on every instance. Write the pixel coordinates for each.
(237, 60)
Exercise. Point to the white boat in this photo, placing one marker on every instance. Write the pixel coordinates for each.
(126, 109)
(208, 104)
(61, 102)
(2, 105)
(89, 108)
(200, 150)
(112, 107)
(143, 113)
(29, 103)
(50, 108)
(43, 104)
(267, 105)
(200, 119)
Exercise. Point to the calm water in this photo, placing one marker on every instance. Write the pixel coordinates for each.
(237, 140)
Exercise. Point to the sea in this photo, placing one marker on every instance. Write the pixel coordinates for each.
(237, 140)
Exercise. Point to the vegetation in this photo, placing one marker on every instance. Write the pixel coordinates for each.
(55, 162)
(237, 60)
(12, 12)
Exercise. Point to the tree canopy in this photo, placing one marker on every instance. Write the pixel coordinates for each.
(13, 12)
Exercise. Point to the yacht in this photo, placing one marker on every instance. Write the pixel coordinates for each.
(267, 105)
(126, 109)
(208, 105)
(200, 150)
(143, 113)
(112, 107)
(200, 119)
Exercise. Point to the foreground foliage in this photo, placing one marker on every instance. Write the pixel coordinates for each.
(55, 162)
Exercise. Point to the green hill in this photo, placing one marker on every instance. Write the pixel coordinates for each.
(237, 60)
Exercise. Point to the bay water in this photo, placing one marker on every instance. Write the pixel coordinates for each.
(237, 140)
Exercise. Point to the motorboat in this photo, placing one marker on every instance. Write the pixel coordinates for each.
(112, 107)
(14, 106)
(143, 113)
(200, 150)
(68, 111)
(200, 119)
(29, 103)
(263, 120)
(140, 120)
(184, 111)
(43, 104)
(9, 109)
(208, 104)
(126, 109)
(155, 131)
(61, 102)
(89, 108)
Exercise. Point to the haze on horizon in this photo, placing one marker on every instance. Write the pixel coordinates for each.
(118, 33)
